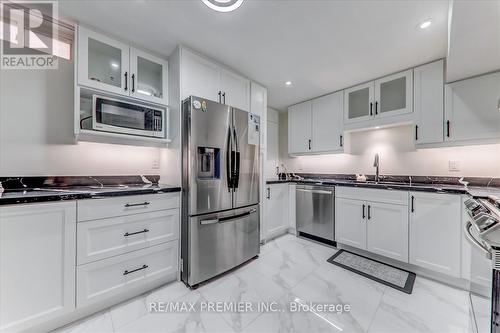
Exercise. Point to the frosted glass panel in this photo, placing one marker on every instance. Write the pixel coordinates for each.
(105, 63)
(359, 101)
(149, 78)
(393, 95)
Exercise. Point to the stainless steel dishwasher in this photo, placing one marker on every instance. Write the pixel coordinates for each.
(315, 212)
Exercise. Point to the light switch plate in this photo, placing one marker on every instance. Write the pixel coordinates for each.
(453, 165)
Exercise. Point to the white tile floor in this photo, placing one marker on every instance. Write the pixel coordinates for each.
(293, 270)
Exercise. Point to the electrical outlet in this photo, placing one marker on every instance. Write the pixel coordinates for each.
(453, 165)
(156, 163)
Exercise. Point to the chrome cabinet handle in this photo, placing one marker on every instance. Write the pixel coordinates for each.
(224, 98)
(220, 94)
(135, 270)
(474, 242)
(145, 203)
(135, 233)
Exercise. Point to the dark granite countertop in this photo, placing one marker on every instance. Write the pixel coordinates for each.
(476, 187)
(76, 188)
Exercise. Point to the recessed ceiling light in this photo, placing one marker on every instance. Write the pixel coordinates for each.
(288, 83)
(223, 6)
(114, 65)
(377, 127)
(425, 24)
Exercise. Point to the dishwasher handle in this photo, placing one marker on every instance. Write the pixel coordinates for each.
(315, 191)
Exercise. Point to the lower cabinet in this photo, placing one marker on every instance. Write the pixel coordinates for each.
(377, 227)
(103, 279)
(435, 232)
(350, 222)
(37, 263)
(387, 230)
(276, 203)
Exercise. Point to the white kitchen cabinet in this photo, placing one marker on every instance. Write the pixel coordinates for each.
(199, 77)
(394, 94)
(103, 63)
(327, 123)
(387, 230)
(204, 78)
(276, 209)
(358, 102)
(385, 97)
(373, 220)
(112, 66)
(435, 232)
(472, 109)
(235, 90)
(428, 102)
(350, 222)
(37, 263)
(316, 126)
(272, 163)
(299, 128)
(102, 279)
(148, 77)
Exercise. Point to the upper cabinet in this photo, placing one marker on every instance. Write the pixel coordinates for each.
(359, 102)
(428, 103)
(103, 63)
(316, 126)
(115, 67)
(204, 78)
(385, 97)
(327, 124)
(148, 76)
(394, 94)
(472, 109)
(299, 128)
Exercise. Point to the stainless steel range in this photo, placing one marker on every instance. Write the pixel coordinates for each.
(220, 180)
(483, 232)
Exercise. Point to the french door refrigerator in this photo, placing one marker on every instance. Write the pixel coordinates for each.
(220, 189)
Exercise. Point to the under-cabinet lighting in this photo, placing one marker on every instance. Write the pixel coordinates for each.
(140, 91)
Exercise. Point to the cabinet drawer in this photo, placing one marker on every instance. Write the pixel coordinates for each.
(100, 239)
(106, 278)
(370, 194)
(127, 205)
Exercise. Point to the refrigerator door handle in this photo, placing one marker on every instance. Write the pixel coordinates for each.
(229, 163)
(236, 161)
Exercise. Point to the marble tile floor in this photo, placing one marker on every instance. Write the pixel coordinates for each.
(291, 271)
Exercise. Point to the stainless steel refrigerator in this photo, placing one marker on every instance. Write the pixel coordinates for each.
(220, 189)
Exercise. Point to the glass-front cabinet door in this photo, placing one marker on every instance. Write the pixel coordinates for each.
(103, 63)
(358, 102)
(148, 77)
(394, 94)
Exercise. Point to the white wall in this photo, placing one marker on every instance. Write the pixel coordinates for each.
(398, 156)
(36, 132)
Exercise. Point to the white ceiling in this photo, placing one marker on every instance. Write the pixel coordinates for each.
(321, 46)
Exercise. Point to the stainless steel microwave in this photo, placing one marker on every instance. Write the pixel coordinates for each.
(117, 116)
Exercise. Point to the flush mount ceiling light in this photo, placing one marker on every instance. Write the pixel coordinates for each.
(425, 24)
(223, 5)
(288, 83)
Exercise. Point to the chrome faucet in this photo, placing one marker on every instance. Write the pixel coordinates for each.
(376, 164)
